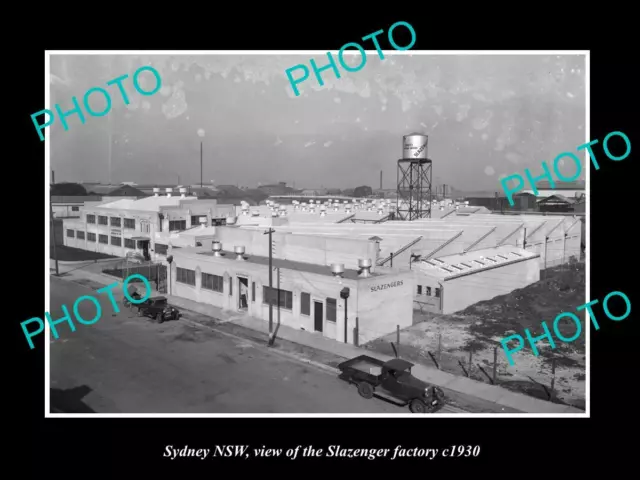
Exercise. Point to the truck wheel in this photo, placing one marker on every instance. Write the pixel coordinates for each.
(365, 390)
(159, 318)
(417, 406)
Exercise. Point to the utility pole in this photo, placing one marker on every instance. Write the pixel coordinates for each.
(200, 163)
(53, 233)
(269, 232)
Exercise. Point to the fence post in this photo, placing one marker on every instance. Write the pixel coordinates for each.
(439, 347)
(470, 361)
(553, 378)
(495, 364)
(356, 334)
(398, 339)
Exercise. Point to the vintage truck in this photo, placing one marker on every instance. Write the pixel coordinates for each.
(392, 380)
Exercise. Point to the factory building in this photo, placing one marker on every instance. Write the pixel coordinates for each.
(309, 284)
(525, 240)
(451, 283)
(130, 225)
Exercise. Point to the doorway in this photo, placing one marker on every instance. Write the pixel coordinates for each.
(243, 298)
(318, 316)
(144, 246)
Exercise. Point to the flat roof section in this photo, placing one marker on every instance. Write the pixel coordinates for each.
(291, 265)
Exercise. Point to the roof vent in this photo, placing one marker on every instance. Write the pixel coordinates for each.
(337, 269)
(255, 213)
(217, 249)
(231, 220)
(274, 214)
(239, 251)
(168, 190)
(156, 191)
(364, 266)
(183, 192)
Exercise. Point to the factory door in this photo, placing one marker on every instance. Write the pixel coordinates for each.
(243, 288)
(317, 316)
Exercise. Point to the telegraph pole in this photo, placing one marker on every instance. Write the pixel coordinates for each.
(201, 164)
(53, 233)
(269, 232)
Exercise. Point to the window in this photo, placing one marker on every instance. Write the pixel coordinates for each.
(331, 309)
(103, 220)
(161, 248)
(91, 218)
(437, 293)
(419, 289)
(130, 223)
(103, 238)
(80, 235)
(427, 291)
(305, 304)
(185, 276)
(253, 291)
(91, 237)
(177, 225)
(195, 220)
(212, 282)
(117, 241)
(128, 243)
(466, 265)
(273, 296)
(75, 209)
(115, 222)
(230, 286)
(70, 233)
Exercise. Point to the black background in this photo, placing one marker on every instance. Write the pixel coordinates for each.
(124, 447)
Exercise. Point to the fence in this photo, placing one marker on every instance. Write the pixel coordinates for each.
(485, 362)
(156, 273)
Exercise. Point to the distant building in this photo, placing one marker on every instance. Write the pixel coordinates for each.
(566, 189)
(69, 206)
(557, 203)
(279, 188)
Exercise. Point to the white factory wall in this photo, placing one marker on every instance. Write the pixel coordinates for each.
(461, 292)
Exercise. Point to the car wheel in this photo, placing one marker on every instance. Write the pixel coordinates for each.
(159, 318)
(417, 406)
(365, 390)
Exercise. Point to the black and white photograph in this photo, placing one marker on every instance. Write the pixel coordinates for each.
(295, 234)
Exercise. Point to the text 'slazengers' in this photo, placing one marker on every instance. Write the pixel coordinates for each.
(67, 318)
(363, 61)
(101, 91)
(587, 306)
(547, 173)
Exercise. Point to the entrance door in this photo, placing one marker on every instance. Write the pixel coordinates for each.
(243, 298)
(145, 249)
(318, 316)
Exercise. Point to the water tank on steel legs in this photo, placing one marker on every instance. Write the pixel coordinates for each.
(414, 146)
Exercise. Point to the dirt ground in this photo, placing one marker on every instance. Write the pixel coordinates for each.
(472, 337)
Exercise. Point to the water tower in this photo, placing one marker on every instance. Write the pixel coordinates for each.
(414, 179)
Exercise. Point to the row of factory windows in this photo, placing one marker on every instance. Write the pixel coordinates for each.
(427, 291)
(270, 296)
(104, 239)
(174, 225)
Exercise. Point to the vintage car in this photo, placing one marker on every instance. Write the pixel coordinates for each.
(158, 308)
(392, 380)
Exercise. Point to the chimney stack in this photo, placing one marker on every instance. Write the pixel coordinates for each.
(239, 251)
(380, 179)
(217, 248)
(364, 267)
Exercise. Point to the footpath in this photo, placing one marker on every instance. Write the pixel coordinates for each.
(462, 385)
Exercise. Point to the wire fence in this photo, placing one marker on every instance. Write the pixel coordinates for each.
(156, 273)
(545, 377)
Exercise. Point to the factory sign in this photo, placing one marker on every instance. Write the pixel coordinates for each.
(116, 233)
(384, 286)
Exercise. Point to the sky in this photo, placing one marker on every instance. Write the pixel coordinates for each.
(487, 116)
